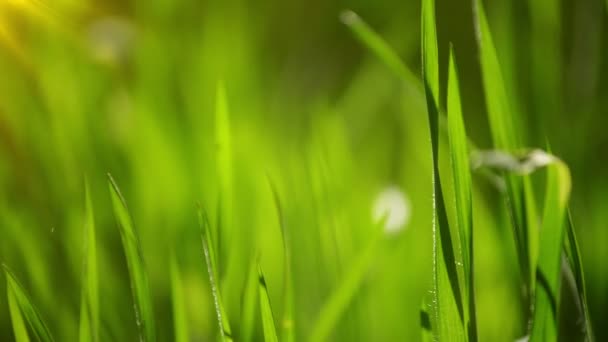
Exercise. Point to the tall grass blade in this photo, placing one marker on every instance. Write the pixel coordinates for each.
(461, 174)
(89, 302)
(502, 120)
(180, 320)
(500, 116)
(270, 331)
(223, 144)
(140, 287)
(447, 309)
(249, 301)
(544, 327)
(551, 241)
(21, 307)
(574, 260)
(287, 323)
(210, 260)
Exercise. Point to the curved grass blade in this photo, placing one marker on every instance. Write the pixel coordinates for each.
(461, 174)
(180, 322)
(89, 302)
(270, 331)
(378, 46)
(576, 264)
(21, 307)
(140, 287)
(447, 309)
(210, 260)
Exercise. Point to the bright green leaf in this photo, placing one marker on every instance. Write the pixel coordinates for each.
(270, 331)
(21, 307)
(140, 287)
(89, 302)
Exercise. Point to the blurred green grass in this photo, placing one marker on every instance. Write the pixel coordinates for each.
(130, 88)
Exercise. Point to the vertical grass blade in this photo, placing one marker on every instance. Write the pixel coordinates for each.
(287, 323)
(249, 301)
(500, 116)
(180, 321)
(223, 145)
(551, 241)
(270, 331)
(447, 309)
(502, 120)
(21, 307)
(461, 174)
(210, 260)
(574, 260)
(139, 278)
(89, 302)
(544, 327)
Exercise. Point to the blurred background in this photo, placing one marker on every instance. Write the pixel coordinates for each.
(129, 87)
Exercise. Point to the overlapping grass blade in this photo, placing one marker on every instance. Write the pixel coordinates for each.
(20, 307)
(447, 308)
(576, 264)
(135, 261)
(461, 174)
(210, 260)
(544, 327)
(551, 241)
(180, 322)
(270, 331)
(287, 323)
(503, 121)
(89, 302)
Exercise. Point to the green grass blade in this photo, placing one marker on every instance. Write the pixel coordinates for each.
(544, 327)
(499, 113)
(341, 297)
(210, 260)
(249, 301)
(19, 329)
(287, 323)
(447, 310)
(270, 331)
(140, 287)
(21, 307)
(576, 264)
(502, 122)
(378, 46)
(180, 320)
(551, 241)
(461, 174)
(89, 305)
(223, 144)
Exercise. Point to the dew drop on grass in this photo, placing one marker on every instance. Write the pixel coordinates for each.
(393, 205)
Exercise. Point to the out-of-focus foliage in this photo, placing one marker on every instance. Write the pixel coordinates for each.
(336, 121)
